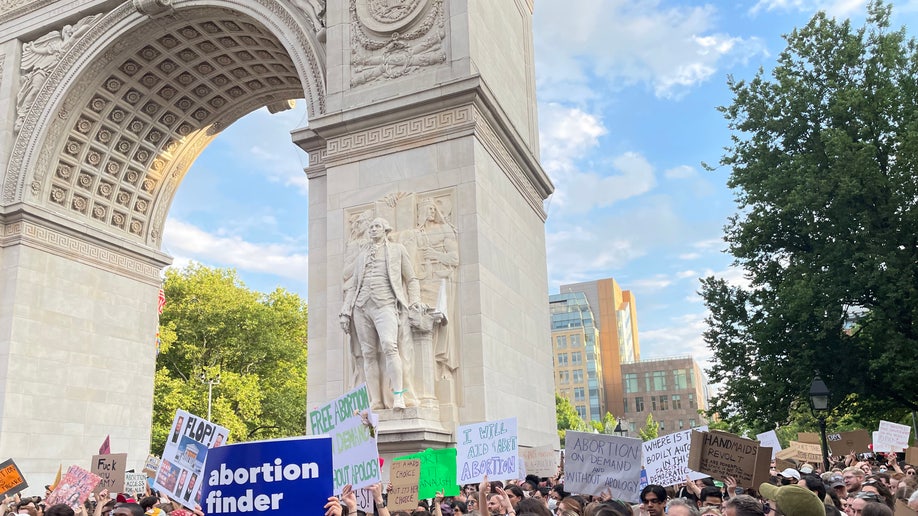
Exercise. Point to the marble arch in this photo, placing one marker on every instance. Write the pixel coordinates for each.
(105, 104)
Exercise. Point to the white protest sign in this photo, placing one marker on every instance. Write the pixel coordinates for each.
(487, 448)
(364, 500)
(135, 483)
(179, 474)
(665, 458)
(597, 463)
(354, 452)
(541, 461)
(880, 446)
(893, 434)
(770, 439)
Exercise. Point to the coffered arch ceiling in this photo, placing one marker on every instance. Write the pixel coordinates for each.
(135, 126)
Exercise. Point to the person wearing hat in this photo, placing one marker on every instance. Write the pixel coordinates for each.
(789, 476)
(837, 483)
(793, 500)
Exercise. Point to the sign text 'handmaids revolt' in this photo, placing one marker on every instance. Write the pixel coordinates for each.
(282, 477)
(597, 463)
(487, 449)
(347, 421)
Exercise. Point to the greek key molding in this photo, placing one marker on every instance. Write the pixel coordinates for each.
(66, 246)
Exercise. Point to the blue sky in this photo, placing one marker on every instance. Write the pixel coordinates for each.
(627, 91)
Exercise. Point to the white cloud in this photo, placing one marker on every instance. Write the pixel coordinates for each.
(684, 336)
(624, 42)
(687, 274)
(657, 282)
(680, 172)
(689, 256)
(835, 8)
(566, 134)
(185, 239)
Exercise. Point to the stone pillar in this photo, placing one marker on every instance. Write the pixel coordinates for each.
(422, 111)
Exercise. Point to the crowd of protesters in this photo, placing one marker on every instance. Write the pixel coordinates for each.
(855, 486)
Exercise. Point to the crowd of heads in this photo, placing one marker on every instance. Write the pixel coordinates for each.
(98, 504)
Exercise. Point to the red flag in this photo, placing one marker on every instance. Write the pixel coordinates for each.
(162, 300)
(106, 447)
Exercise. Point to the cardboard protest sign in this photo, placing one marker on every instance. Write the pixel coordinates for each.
(770, 439)
(438, 472)
(347, 421)
(597, 463)
(487, 449)
(893, 434)
(721, 454)
(180, 471)
(806, 452)
(283, 477)
(74, 488)
(541, 461)
(665, 459)
(843, 443)
(405, 476)
(110, 468)
(902, 509)
(911, 455)
(11, 479)
(135, 483)
(808, 438)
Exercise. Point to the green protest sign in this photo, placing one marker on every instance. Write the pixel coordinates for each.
(438, 472)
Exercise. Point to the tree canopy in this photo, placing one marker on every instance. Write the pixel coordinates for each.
(212, 324)
(823, 165)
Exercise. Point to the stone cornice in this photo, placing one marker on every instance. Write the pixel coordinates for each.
(33, 227)
(464, 108)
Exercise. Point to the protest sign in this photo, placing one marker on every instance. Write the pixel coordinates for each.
(806, 452)
(597, 463)
(911, 455)
(843, 443)
(665, 459)
(770, 439)
(135, 483)
(110, 468)
(364, 498)
(721, 454)
(180, 471)
(438, 472)
(882, 446)
(151, 466)
(347, 421)
(808, 438)
(74, 488)
(11, 479)
(893, 434)
(406, 477)
(541, 461)
(902, 509)
(487, 449)
(283, 477)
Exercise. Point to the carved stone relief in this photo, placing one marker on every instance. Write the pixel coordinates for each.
(393, 39)
(421, 224)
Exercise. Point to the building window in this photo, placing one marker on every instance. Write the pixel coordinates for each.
(631, 382)
(664, 402)
(581, 411)
(578, 376)
(625, 405)
(575, 341)
(576, 357)
(579, 394)
(691, 423)
(681, 424)
(653, 403)
(639, 404)
(691, 401)
(647, 385)
(561, 341)
(564, 376)
(680, 379)
(659, 380)
(562, 359)
(677, 402)
(662, 425)
(691, 378)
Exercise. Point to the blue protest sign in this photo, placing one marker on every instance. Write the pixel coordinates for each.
(284, 477)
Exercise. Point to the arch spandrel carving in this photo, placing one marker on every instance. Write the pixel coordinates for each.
(134, 94)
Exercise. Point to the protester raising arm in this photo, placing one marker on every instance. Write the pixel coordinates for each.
(483, 489)
(438, 499)
(101, 500)
(381, 505)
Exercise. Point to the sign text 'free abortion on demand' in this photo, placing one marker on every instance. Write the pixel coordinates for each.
(346, 420)
(284, 477)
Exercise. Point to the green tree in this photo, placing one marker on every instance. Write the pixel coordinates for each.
(823, 164)
(650, 430)
(256, 342)
(568, 418)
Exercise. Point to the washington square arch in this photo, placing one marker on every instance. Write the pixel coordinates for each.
(421, 114)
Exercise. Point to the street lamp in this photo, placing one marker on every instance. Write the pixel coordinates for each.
(619, 429)
(210, 381)
(819, 400)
